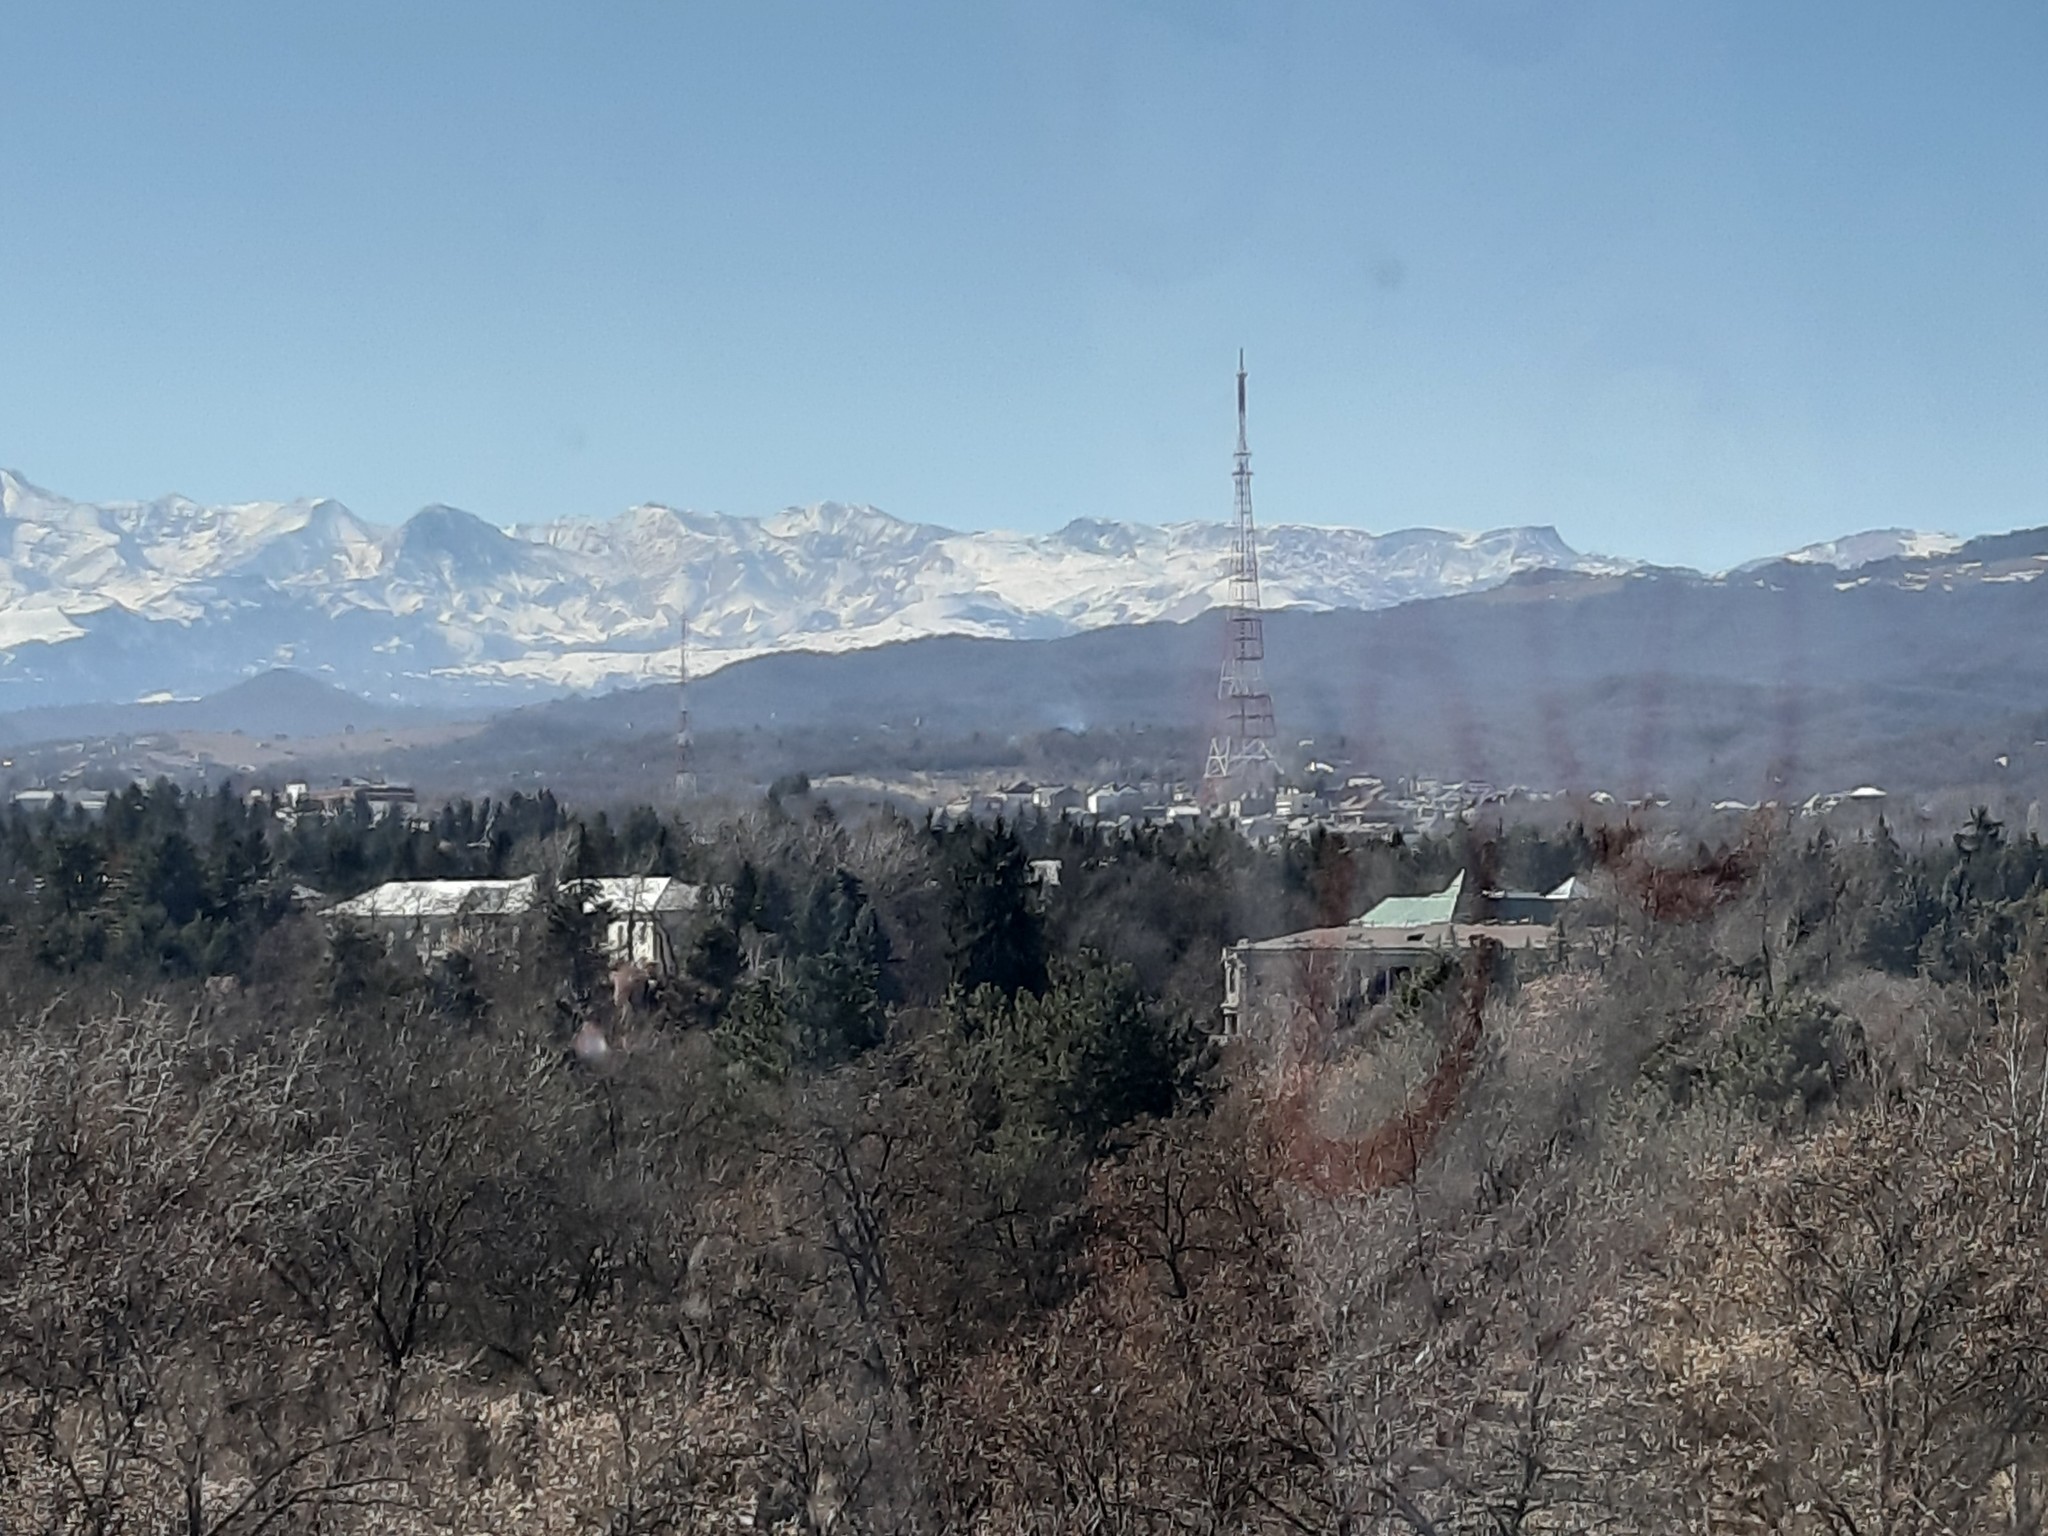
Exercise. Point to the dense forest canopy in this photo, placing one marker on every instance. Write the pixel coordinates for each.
(920, 1198)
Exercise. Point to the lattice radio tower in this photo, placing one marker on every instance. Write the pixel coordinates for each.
(686, 777)
(1241, 753)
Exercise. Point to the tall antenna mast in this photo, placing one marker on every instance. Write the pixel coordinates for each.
(686, 778)
(1241, 752)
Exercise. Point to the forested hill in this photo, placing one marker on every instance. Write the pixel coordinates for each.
(1789, 679)
(1770, 683)
(279, 701)
(919, 1202)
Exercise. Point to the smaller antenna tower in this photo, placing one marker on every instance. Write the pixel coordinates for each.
(686, 778)
(1241, 753)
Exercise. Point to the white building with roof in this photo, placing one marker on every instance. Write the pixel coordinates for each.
(89, 802)
(432, 917)
(644, 915)
(1115, 800)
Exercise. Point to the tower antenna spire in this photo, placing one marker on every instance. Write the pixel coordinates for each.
(686, 778)
(1241, 752)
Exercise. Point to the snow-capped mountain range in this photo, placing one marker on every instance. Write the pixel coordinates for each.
(126, 599)
(123, 600)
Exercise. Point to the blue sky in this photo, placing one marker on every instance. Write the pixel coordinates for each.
(1692, 282)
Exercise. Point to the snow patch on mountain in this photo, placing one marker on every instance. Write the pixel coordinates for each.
(1859, 549)
(119, 599)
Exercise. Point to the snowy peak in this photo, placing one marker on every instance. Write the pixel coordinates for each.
(448, 606)
(1861, 549)
(1096, 537)
(16, 494)
(455, 544)
(852, 525)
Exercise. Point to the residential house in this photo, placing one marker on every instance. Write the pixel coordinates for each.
(375, 801)
(1330, 973)
(645, 916)
(434, 917)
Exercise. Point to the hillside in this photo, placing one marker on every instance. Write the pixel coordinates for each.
(1918, 672)
(1785, 679)
(924, 1193)
(276, 702)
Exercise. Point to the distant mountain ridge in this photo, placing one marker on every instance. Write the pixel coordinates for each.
(1860, 549)
(1793, 677)
(123, 600)
(1788, 679)
(116, 601)
(270, 703)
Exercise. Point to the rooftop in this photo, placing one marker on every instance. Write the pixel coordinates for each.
(1416, 911)
(428, 899)
(637, 895)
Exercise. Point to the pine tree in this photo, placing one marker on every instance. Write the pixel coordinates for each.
(995, 935)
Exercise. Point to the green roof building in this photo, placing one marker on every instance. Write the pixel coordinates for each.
(1417, 911)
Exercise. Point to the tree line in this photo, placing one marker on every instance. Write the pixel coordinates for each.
(921, 1201)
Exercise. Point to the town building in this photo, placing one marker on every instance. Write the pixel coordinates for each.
(377, 801)
(645, 916)
(88, 802)
(1113, 800)
(1331, 973)
(435, 917)
(1530, 906)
